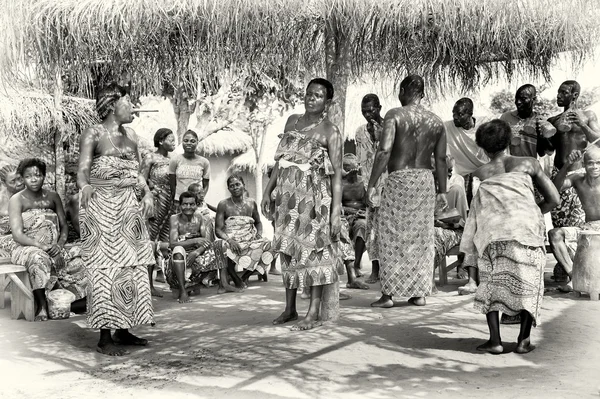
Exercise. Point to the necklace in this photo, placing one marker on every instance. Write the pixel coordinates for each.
(311, 126)
(111, 142)
(239, 207)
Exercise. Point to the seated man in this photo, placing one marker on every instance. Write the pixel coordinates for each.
(39, 232)
(447, 236)
(587, 185)
(354, 220)
(239, 231)
(190, 248)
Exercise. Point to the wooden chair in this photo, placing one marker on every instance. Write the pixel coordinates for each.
(444, 269)
(21, 295)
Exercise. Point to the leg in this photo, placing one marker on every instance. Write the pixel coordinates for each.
(273, 269)
(178, 263)
(374, 277)
(41, 305)
(239, 283)
(153, 290)
(163, 254)
(289, 314)
(384, 302)
(305, 294)
(79, 306)
(124, 337)
(561, 253)
(224, 285)
(352, 281)
(312, 316)
(494, 344)
(107, 346)
(523, 340)
(359, 250)
(471, 286)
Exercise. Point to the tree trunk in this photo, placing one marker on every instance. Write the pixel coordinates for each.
(336, 53)
(59, 151)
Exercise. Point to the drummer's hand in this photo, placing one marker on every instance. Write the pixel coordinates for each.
(574, 157)
(147, 206)
(441, 201)
(87, 193)
(371, 193)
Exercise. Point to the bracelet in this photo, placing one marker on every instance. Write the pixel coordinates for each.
(86, 185)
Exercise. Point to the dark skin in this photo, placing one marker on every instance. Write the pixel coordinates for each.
(584, 129)
(190, 143)
(96, 141)
(185, 225)
(354, 201)
(236, 205)
(35, 197)
(524, 101)
(14, 184)
(501, 163)
(328, 135)
(411, 134)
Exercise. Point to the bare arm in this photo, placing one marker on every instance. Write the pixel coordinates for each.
(272, 181)
(382, 157)
(441, 167)
(146, 165)
(257, 221)
(15, 216)
(220, 221)
(592, 128)
(173, 177)
(205, 183)
(545, 187)
(87, 146)
(334, 146)
(62, 219)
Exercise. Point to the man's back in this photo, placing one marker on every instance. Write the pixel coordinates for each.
(417, 131)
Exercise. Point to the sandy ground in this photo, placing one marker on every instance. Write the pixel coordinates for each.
(224, 346)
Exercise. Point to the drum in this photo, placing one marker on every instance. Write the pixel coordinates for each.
(586, 265)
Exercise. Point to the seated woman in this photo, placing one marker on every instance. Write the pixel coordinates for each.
(13, 183)
(39, 231)
(505, 233)
(239, 229)
(191, 247)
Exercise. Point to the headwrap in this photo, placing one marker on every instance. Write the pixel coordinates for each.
(106, 99)
(350, 163)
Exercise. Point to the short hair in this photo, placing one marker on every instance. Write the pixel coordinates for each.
(465, 102)
(493, 136)
(371, 99)
(575, 87)
(592, 151)
(160, 135)
(187, 194)
(30, 163)
(527, 87)
(235, 176)
(5, 171)
(106, 98)
(194, 186)
(325, 83)
(191, 132)
(413, 85)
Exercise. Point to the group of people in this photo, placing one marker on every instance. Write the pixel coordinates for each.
(327, 208)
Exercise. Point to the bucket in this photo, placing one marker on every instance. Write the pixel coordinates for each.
(59, 304)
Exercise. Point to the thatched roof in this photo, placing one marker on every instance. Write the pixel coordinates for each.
(226, 141)
(31, 116)
(447, 41)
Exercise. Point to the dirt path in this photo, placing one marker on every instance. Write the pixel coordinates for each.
(225, 347)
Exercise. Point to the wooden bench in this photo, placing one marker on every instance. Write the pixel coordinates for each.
(444, 269)
(21, 295)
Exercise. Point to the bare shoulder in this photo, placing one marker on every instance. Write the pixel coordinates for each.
(590, 114)
(394, 113)
(330, 128)
(289, 124)
(91, 133)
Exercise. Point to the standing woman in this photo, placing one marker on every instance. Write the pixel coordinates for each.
(155, 169)
(189, 167)
(306, 188)
(115, 245)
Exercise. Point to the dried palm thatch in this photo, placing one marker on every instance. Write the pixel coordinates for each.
(447, 41)
(226, 141)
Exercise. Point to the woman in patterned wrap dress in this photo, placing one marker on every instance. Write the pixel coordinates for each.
(306, 189)
(155, 169)
(115, 244)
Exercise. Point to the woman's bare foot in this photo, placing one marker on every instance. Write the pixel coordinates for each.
(285, 317)
(491, 347)
(228, 288)
(358, 272)
(124, 337)
(160, 277)
(343, 296)
(383, 302)
(417, 301)
(434, 290)
(42, 315)
(110, 349)
(372, 279)
(467, 289)
(156, 292)
(183, 297)
(308, 323)
(357, 285)
(524, 346)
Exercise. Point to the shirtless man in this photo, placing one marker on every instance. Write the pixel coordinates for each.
(587, 186)
(411, 134)
(354, 218)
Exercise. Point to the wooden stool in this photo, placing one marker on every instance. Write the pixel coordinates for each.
(586, 265)
(454, 251)
(21, 296)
